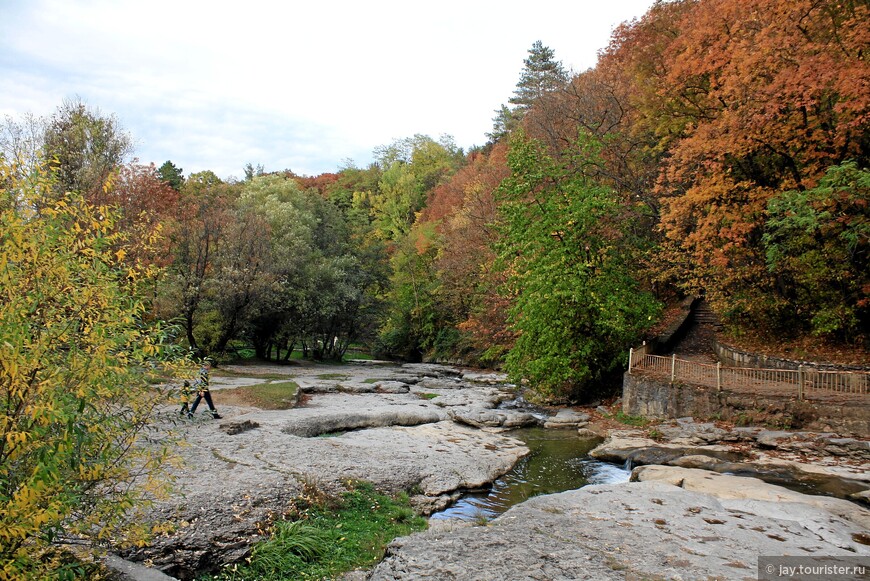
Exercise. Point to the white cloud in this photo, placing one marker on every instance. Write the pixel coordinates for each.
(214, 85)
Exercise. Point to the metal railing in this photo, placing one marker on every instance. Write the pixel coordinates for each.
(804, 381)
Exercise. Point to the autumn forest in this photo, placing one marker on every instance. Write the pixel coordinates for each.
(718, 148)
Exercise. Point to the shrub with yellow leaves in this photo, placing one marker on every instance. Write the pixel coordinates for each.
(74, 401)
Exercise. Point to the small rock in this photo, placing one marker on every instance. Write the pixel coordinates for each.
(863, 496)
(687, 431)
(392, 387)
(567, 419)
(233, 428)
(427, 505)
(587, 434)
(356, 387)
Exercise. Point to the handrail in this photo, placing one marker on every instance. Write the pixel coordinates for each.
(805, 381)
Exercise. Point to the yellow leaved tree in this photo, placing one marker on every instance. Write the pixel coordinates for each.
(75, 348)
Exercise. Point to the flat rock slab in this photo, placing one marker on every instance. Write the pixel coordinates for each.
(217, 382)
(620, 449)
(741, 488)
(488, 377)
(231, 484)
(355, 387)
(478, 396)
(622, 531)
(688, 432)
(330, 423)
(810, 442)
(242, 471)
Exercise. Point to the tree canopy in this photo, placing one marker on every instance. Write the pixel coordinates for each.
(74, 340)
(717, 148)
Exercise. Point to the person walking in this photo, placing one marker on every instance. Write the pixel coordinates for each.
(202, 391)
(185, 398)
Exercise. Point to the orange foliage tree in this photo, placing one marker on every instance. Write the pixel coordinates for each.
(770, 94)
(465, 211)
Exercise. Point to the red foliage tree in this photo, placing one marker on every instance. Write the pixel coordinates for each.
(320, 182)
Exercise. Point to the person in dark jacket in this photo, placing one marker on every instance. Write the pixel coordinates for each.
(202, 392)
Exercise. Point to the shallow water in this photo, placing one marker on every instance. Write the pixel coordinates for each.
(558, 461)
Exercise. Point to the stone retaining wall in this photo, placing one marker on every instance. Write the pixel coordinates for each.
(656, 398)
(734, 357)
(668, 339)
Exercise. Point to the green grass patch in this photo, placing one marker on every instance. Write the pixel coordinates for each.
(270, 396)
(629, 420)
(363, 355)
(245, 353)
(332, 434)
(427, 395)
(655, 434)
(329, 539)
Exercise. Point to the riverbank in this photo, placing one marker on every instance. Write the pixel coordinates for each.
(433, 431)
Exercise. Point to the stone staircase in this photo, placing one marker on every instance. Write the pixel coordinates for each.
(704, 316)
(698, 341)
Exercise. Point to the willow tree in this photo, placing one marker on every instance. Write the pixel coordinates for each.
(85, 148)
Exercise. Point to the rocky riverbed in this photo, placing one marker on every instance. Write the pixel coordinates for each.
(437, 431)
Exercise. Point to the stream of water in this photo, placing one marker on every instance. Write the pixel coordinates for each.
(558, 461)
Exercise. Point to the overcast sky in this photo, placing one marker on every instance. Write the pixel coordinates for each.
(289, 85)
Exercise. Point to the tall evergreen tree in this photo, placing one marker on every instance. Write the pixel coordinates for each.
(171, 174)
(542, 74)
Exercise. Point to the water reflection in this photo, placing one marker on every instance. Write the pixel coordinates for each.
(557, 462)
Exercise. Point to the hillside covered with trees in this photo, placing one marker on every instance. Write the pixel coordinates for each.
(718, 148)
